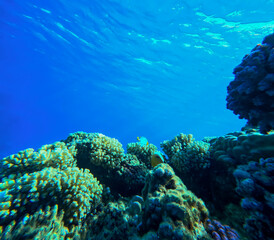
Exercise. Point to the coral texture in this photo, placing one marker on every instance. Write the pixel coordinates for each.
(132, 173)
(229, 154)
(116, 220)
(177, 144)
(170, 210)
(44, 224)
(67, 195)
(56, 155)
(193, 158)
(255, 183)
(251, 93)
(220, 232)
(44, 194)
(185, 154)
(104, 151)
(105, 157)
(241, 147)
(142, 152)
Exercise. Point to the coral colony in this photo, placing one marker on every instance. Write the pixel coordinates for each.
(87, 187)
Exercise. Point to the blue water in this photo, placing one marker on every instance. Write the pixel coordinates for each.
(123, 68)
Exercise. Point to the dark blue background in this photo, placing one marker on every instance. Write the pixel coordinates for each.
(122, 68)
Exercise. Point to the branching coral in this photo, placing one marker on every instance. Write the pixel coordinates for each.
(70, 193)
(44, 195)
(44, 224)
(251, 93)
(106, 151)
(56, 155)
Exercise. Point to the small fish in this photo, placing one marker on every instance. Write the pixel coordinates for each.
(156, 159)
(142, 141)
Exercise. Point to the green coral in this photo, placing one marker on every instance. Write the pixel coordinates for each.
(142, 152)
(186, 154)
(102, 150)
(171, 211)
(167, 210)
(56, 155)
(177, 144)
(66, 193)
(105, 157)
(133, 172)
(114, 221)
(44, 224)
(194, 157)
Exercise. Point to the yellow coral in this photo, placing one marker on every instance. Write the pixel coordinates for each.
(75, 192)
(43, 224)
(105, 151)
(56, 155)
(45, 187)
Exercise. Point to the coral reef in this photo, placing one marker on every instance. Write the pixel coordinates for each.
(116, 220)
(105, 158)
(56, 155)
(194, 157)
(103, 151)
(130, 177)
(241, 147)
(220, 232)
(229, 154)
(167, 210)
(66, 195)
(186, 155)
(215, 183)
(190, 160)
(177, 144)
(251, 93)
(143, 152)
(170, 210)
(44, 224)
(229, 151)
(255, 183)
(45, 195)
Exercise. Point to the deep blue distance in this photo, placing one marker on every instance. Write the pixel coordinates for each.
(122, 68)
